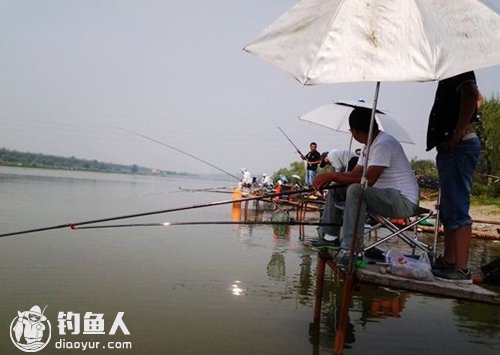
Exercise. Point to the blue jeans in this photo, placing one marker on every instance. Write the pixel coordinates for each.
(456, 170)
(310, 175)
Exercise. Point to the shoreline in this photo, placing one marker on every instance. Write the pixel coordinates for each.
(485, 220)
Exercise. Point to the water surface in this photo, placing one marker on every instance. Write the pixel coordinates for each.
(214, 289)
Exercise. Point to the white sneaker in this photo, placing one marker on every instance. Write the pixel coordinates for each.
(330, 238)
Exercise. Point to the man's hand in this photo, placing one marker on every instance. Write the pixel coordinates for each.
(323, 180)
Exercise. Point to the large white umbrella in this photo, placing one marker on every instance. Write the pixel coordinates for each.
(336, 117)
(330, 41)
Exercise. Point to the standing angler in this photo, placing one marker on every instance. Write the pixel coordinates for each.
(458, 149)
(313, 159)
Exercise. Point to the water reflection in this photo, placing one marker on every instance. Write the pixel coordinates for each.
(373, 305)
(391, 306)
(374, 308)
(276, 267)
(247, 211)
(478, 321)
(236, 290)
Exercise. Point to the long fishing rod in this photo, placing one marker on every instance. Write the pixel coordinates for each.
(198, 223)
(178, 150)
(205, 189)
(298, 151)
(143, 214)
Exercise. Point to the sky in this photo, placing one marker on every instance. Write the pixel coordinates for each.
(74, 75)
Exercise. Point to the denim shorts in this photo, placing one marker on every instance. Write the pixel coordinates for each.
(456, 171)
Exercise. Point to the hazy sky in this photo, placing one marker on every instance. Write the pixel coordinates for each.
(73, 71)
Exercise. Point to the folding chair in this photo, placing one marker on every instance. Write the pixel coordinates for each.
(407, 232)
(400, 231)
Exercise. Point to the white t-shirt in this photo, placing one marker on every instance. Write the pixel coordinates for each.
(387, 151)
(340, 158)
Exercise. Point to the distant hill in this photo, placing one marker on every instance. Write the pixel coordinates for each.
(37, 160)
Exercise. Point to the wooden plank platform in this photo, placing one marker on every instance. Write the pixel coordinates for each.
(374, 274)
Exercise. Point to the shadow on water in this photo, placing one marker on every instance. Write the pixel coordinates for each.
(373, 306)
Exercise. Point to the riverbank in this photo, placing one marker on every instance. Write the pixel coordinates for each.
(485, 218)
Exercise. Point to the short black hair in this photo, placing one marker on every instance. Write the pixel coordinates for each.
(359, 119)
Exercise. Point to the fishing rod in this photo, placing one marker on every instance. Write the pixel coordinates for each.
(74, 225)
(198, 223)
(222, 189)
(206, 189)
(178, 150)
(298, 151)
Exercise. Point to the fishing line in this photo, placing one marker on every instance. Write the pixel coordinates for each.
(143, 214)
(178, 150)
(206, 189)
(223, 189)
(198, 223)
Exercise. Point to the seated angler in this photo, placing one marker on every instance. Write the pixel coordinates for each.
(341, 161)
(392, 188)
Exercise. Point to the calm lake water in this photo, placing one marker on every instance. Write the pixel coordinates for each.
(209, 289)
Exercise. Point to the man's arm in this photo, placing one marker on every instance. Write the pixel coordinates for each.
(350, 177)
(469, 95)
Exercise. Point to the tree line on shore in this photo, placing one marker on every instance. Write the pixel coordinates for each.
(37, 160)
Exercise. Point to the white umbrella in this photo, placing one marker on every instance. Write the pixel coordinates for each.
(332, 41)
(329, 41)
(336, 116)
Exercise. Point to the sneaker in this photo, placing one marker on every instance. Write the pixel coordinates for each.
(453, 274)
(441, 264)
(342, 257)
(375, 254)
(330, 238)
(322, 243)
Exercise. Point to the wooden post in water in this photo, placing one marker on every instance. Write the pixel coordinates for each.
(320, 279)
(344, 314)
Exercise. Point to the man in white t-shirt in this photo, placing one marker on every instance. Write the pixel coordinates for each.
(392, 187)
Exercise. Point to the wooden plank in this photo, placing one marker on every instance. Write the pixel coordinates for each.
(373, 274)
(492, 234)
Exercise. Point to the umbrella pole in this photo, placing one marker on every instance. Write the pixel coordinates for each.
(349, 278)
(346, 163)
(364, 181)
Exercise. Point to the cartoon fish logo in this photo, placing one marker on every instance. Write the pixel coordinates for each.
(30, 331)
